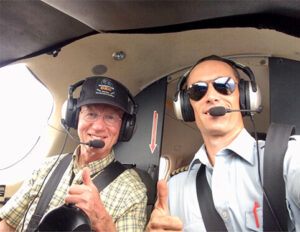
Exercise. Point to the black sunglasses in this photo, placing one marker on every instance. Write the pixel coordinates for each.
(224, 85)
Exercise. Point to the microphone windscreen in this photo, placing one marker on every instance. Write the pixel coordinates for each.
(97, 143)
(217, 111)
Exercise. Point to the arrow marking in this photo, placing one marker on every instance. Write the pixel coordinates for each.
(153, 144)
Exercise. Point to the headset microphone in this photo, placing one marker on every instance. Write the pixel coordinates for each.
(93, 143)
(220, 111)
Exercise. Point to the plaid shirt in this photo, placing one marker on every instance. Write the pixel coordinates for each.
(125, 198)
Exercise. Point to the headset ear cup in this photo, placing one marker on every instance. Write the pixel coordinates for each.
(72, 113)
(186, 108)
(127, 127)
(177, 105)
(244, 96)
(254, 98)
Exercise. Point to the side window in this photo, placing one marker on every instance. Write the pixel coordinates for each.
(26, 105)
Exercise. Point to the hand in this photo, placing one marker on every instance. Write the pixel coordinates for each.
(160, 219)
(87, 198)
(4, 226)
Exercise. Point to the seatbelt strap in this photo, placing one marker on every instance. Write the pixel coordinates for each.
(211, 218)
(112, 171)
(48, 192)
(273, 182)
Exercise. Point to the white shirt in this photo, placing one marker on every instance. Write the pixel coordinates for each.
(235, 185)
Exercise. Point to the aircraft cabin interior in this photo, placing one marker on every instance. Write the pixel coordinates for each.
(148, 54)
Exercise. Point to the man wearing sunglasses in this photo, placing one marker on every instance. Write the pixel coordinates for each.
(228, 161)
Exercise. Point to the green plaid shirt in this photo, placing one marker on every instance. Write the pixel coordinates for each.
(125, 198)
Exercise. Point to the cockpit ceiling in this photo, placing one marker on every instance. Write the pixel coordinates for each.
(150, 57)
(29, 28)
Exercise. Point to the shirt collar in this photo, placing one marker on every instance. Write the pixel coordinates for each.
(95, 166)
(242, 145)
(200, 157)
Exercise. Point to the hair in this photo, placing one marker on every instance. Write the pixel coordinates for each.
(218, 58)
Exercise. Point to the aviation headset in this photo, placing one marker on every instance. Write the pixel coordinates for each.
(250, 96)
(97, 90)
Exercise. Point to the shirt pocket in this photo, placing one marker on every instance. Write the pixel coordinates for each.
(251, 220)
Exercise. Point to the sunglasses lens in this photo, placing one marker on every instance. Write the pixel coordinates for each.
(197, 90)
(224, 85)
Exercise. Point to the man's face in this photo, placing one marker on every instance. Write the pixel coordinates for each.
(208, 71)
(99, 122)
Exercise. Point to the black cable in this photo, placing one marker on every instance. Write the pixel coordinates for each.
(259, 175)
(63, 147)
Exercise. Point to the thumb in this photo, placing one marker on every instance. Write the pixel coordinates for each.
(162, 196)
(86, 176)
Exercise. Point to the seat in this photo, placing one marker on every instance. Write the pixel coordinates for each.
(151, 190)
(165, 167)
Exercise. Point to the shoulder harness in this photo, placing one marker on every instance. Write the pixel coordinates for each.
(111, 172)
(275, 213)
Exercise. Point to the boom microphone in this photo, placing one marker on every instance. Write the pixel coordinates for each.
(220, 111)
(217, 111)
(93, 143)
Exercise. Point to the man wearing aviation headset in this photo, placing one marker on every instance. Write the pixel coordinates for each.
(104, 114)
(227, 161)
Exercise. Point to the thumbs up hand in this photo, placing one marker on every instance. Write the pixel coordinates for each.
(87, 198)
(160, 218)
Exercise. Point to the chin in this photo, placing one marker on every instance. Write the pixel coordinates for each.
(218, 133)
(217, 130)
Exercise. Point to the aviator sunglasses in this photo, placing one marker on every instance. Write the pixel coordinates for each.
(224, 85)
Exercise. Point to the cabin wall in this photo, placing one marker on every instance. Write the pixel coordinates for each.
(285, 100)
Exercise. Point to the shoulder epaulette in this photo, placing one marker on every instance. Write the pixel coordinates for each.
(179, 170)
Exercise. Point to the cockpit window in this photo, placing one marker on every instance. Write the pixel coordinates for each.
(26, 105)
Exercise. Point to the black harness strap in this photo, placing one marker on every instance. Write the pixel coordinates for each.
(211, 218)
(275, 218)
(48, 192)
(273, 182)
(112, 171)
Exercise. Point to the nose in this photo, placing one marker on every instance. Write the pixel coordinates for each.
(99, 124)
(212, 95)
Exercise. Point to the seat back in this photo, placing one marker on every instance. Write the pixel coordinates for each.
(151, 192)
(165, 167)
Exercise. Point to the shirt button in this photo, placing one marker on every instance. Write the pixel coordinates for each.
(224, 214)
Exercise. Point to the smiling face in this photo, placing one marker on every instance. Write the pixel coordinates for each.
(230, 123)
(95, 128)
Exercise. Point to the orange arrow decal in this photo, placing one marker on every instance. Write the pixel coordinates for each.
(153, 144)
